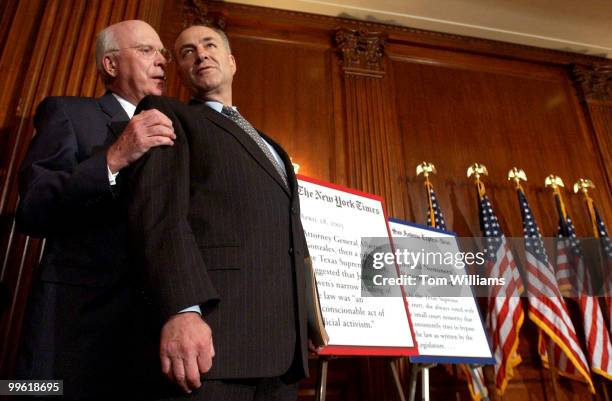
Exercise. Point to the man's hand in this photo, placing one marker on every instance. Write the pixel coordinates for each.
(146, 130)
(312, 348)
(186, 349)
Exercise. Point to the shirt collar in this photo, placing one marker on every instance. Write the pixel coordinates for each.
(127, 106)
(216, 106)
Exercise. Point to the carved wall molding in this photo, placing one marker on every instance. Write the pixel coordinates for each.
(361, 52)
(595, 80)
(196, 12)
(373, 161)
(404, 34)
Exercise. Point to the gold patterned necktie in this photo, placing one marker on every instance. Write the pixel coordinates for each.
(236, 117)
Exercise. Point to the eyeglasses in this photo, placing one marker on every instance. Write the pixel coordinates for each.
(148, 51)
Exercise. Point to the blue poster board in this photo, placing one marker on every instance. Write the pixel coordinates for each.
(447, 329)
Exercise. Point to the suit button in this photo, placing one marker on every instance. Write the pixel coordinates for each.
(293, 210)
(290, 251)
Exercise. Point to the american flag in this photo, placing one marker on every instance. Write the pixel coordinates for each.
(439, 223)
(547, 308)
(434, 209)
(597, 337)
(563, 272)
(505, 311)
(606, 246)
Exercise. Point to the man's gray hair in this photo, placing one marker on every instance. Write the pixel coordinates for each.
(105, 42)
(223, 37)
(220, 31)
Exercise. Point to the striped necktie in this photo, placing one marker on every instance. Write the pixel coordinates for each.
(236, 117)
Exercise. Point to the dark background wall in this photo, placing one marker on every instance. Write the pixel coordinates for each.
(355, 103)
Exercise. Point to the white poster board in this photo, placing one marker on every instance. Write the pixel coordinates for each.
(334, 220)
(447, 329)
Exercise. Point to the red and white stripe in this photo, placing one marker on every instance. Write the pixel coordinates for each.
(597, 337)
(548, 311)
(563, 273)
(608, 290)
(505, 315)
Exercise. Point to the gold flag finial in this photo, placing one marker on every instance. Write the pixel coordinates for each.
(554, 182)
(426, 168)
(517, 175)
(477, 170)
(583, 184)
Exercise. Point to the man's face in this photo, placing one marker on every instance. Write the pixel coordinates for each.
(205, 63)
(139, 64)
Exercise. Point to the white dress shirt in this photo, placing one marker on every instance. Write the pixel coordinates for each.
(129, 110)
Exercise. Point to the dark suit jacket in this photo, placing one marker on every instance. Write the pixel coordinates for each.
(76, 321)
(216, 227)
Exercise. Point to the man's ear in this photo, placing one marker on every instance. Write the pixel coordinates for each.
(110, 66)
(233, 63)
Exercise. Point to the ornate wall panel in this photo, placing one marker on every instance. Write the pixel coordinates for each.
(455, 113)
(600, 114)
(372, 151)
(453, 116)
(594, 87)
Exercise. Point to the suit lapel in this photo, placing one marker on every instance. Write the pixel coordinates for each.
(118, 118)
(245, 140)
(291, 180)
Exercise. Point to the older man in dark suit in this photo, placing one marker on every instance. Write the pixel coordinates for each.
(216, 224)
(77, 325)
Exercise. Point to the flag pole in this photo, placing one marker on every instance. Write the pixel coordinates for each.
(565, 279)
(476, 170)
(427, 168)
(583, 185)
(554, 182)
(552, 368)
(517, 175)
(472, 372)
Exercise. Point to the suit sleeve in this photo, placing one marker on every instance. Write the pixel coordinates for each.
(53, 183)
(157, 189)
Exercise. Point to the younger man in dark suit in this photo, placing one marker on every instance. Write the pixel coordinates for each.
(216, 226)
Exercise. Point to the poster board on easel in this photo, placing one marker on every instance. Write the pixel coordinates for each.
(335, 219)
(447, 329)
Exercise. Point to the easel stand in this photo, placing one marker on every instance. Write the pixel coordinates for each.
(321, 386)
(553, 370)
(481, 387)
(423, 368)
